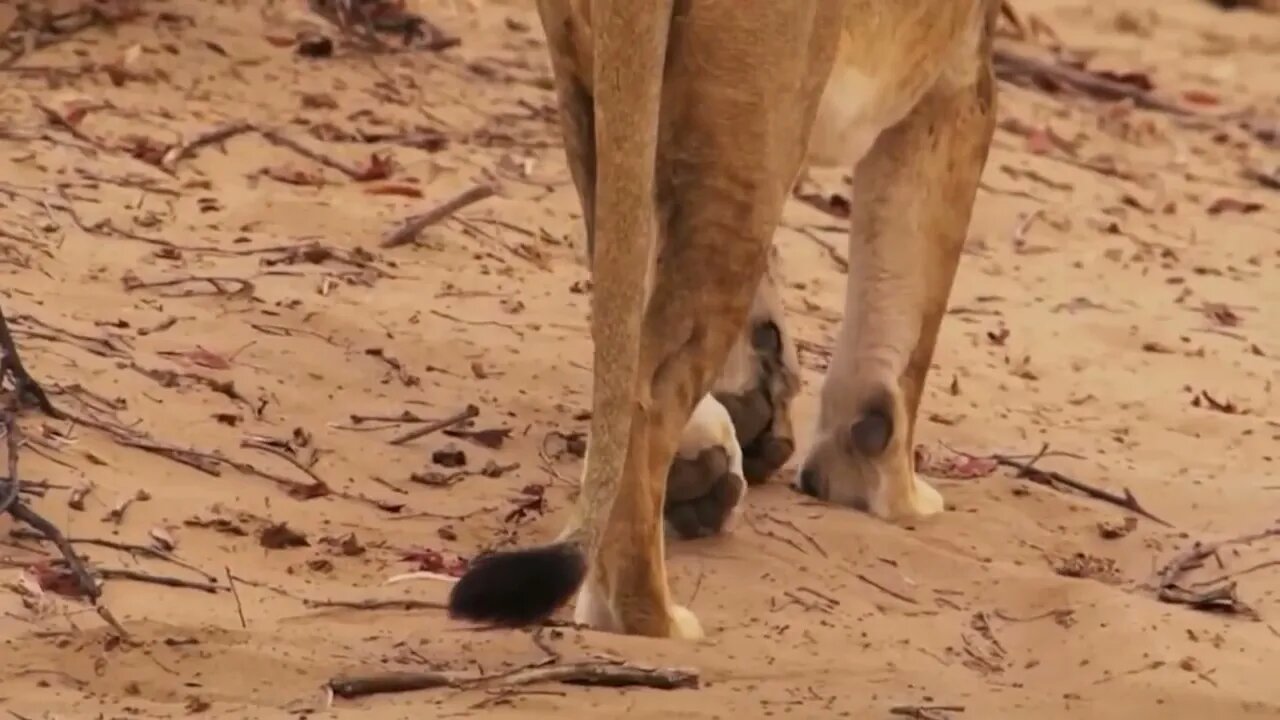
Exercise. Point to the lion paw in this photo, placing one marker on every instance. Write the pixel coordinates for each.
(684, 624)
(928, 501)
(705, 485)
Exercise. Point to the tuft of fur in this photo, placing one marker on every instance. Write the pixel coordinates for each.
(520, 587)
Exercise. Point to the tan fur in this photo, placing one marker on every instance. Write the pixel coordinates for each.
(683, 173)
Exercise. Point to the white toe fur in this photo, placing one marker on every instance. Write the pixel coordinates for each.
(711, 426)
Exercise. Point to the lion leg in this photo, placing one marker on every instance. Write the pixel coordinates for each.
(732, 141)
(705, 483)
(759, 381)
(913, 195)
(742, 431)
(705, 480)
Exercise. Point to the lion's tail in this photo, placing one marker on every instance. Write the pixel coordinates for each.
(630, 44)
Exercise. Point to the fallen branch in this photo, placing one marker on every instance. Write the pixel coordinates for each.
(350, 171)
(391, 604)
(231, 583)
(1217, 596)
(12, 489)
(178, 153)
(1018, 69)
(26, 389)
(244, 288)
(1053, 478)
(467, 413)
(139, 576)
(409, 231)
(841, 263)
(886, 590)
(144, 550)
(598, 674)
(924, 712)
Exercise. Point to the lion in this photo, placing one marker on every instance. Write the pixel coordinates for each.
(686, 124)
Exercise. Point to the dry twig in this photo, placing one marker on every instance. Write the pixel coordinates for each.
(1053, 479)
(467, 413)
(1219, 595)
(409, 231)
(599, 674)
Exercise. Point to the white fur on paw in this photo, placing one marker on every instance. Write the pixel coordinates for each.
(710, 426)
(735, 514)
(591, 610)
(685, 625)
(928, 500)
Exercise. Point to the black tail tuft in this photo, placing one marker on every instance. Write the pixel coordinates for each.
(518, 588)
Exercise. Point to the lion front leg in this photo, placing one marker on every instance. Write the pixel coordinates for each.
(760, 380)
(912, 198)
(740, 433)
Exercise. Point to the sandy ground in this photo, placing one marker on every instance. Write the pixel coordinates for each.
(1118, 303)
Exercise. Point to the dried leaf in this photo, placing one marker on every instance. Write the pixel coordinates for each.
(1222, 314)
(280, 536)
(163, 539)
(319, 101)
(1116, 530)
(954, 466)
(1039, 142)
(450, 456)
(1230, 204)
(147, 149)
(1200, 97)
(1204, 399)
(429, 560)
(380, 167)
(55, 579)
(207, 359)
(222, 525)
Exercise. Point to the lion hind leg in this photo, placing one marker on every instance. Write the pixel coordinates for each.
(913, 195)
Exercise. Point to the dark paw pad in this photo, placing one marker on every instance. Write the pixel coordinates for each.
(762, 452)
(701, 494)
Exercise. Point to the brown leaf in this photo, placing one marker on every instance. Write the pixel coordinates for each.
(1140, 80)
(399, 189)
(1115, 530)
(222, 525)
(450, 456)
(955, 466)
(1230, 204)
(379, 168)
(147, 149)
(56, 579)
(1204, 399)
(1200, 97)
(207, 359)
(1222, 314)
(309, 492)
(350, 546)
(319, 101)
(280, 536)
(163, 539)
(1039, 142)
(429, 560)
